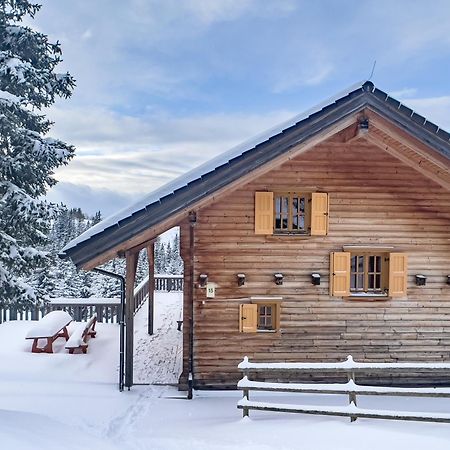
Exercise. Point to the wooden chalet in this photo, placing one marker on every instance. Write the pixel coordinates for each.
(327, 237)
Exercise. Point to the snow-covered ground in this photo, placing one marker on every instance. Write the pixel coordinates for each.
(158, 357)
(71, 401)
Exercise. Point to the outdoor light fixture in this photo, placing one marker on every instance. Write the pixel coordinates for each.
(363, 126)
(203, 279)
(278, 278)
(315, 279)
(241, 279)
(421, 280)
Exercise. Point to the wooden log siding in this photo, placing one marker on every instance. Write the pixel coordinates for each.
(373, 199)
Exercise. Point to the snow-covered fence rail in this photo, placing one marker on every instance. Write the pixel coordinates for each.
(168, 283)
(81, 309)
(347, 368)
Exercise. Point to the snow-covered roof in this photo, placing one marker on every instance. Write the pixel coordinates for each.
(229, 166)
(202, 169)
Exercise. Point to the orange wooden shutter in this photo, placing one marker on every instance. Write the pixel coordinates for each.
(263, 212)
(319, 214)
(340, 274)
(248, 318)
(398, 272)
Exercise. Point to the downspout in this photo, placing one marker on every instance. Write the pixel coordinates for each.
(192, 223)
(121, 322)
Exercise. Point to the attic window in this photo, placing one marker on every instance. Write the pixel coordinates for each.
(292, 212)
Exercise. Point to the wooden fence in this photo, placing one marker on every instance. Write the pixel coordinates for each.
(81, 309)
(168, 283)
(350, 369)
(107, 309)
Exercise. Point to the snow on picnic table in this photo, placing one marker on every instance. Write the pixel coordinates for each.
(49, 325)
(54, 401)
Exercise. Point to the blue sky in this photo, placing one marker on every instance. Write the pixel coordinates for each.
(164, 85)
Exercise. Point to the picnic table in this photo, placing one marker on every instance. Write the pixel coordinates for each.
(50, 327)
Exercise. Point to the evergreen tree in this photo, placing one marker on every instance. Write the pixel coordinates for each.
(28, 83)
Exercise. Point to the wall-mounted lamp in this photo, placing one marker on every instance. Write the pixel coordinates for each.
(278, 278)
(241, 279)
(421, 280)
(363, 126)
(315, 279)
(203, 279)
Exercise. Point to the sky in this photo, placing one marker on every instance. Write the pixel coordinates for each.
(164, 85)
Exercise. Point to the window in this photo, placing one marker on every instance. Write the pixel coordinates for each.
(291, 213)
(266, 316)
(368, 273)
(259, 316)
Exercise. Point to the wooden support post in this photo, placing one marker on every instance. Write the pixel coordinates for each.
(352, 395)
(131, 261)
(151, 287)
(245, 412)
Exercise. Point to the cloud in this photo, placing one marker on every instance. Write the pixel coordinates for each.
(134, 155)
(403, 93)
(435, 109)
(89, 199)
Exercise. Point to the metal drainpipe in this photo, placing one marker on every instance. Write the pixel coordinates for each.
(121, 321)
(192, 223)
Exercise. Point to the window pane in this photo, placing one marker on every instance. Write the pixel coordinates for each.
(353, 263)
(295, 206)
(371, 263)
(278, 205)
(378, 263)
(302, 204)
(360, 263)
(285, 204)
(277, 222)
(371, 282)
(377, 282)
(361, 282)
(295, 223)
(301, 225)
(285, 223)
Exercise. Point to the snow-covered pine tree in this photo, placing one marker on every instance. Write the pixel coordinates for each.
(28, 83)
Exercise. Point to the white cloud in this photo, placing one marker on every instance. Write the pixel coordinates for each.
(136, 155)
(403, 93)
(89, 199)
(435, 109)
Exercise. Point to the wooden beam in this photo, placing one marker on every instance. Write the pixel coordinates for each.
(175, 220)
(411, 163)
(130, 278)
(151, 287)
(406, 139)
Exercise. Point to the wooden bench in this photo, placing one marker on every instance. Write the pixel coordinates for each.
(50, 327)
(83, 331)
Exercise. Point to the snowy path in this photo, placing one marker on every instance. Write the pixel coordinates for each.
(157, 358)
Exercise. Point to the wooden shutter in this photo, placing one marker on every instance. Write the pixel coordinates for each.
(248, 318)
(263, 212)
(398, 272)
(319, 214)
(340, 274)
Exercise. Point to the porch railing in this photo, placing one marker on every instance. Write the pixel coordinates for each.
(107, 309)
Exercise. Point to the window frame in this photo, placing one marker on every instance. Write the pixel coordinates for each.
(367, 274)
(291, 195)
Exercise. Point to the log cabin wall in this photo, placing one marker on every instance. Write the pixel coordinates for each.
(373, 199)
